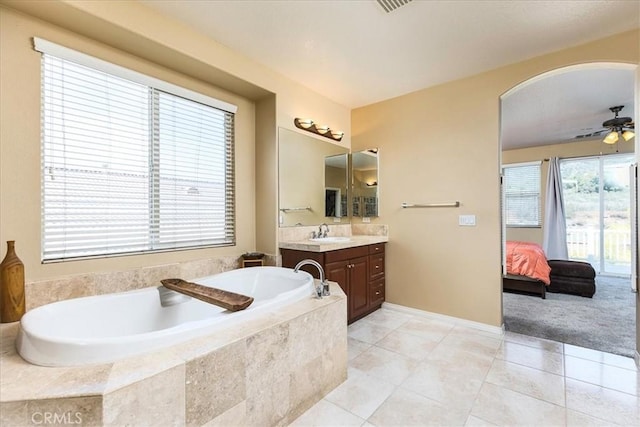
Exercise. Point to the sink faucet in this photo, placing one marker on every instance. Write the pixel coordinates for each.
(326, 231)
(323, 288)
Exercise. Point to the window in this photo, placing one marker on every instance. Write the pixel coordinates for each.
(522, 195)
(128, 167)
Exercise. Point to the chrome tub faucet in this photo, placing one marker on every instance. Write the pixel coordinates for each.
(323, 288)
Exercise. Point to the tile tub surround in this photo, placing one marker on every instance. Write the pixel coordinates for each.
(81, 285)
(263, 371)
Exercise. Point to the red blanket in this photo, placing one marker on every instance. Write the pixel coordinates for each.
(527, 259)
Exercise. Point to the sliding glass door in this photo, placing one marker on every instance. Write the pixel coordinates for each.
(597, 200)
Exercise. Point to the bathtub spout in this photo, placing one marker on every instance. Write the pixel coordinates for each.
(169, 297)
(323, 287)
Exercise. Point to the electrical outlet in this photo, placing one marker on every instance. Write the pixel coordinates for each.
(336, 219)
(366, 219)
(467, 220)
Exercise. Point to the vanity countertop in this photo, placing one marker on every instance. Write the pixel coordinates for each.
(311, 246)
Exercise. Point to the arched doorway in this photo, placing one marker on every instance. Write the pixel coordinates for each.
(559, 114)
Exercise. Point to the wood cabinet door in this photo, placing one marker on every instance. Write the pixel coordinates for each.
(338, 272)
(358, 286)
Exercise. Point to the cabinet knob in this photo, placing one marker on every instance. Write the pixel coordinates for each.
(378, 293)
(377, 266)
(377, 249)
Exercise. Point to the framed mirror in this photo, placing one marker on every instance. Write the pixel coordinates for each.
(364, 167)
(312, 179)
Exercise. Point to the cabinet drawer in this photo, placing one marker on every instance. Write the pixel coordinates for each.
(376, 292)
(376, 266)
(345, 254)
(377, 248)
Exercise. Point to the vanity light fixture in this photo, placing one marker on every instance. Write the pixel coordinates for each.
(322, 130)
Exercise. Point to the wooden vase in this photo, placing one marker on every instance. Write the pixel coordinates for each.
(12, 304)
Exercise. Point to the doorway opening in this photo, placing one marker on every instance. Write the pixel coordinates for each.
(597, 188)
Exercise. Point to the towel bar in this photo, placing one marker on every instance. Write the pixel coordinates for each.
(455, 204)
(285, 210)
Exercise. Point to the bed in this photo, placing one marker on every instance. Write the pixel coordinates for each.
(527, 269)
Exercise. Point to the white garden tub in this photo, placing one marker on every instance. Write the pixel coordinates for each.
(105, 328)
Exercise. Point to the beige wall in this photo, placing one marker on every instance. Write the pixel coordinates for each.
(582, 148)
(432, 263)
(131, 35)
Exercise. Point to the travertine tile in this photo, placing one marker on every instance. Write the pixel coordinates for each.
(404, 408)
(384, 364)
(578, 419)
(430, 329)
(234, 417)
(451, 381)
(325, 413)
(267, 379)
(532, 357)
(536, 342)
(48, 291)
(215, 383)
(269, 404)
(603, 403)
(356, 347)
(327, 324)
(502, 406)
(599, 356)
(154, 401)
(367, 332)
(413, 346)
(477, 344)
(532, 382)
(609, 376)
(311, 383)
(477, 422)
(387, 318)
(361, 394)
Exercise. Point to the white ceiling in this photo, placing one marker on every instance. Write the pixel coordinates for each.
(355, 53)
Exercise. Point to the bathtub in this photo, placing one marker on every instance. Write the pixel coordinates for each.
(105, 328)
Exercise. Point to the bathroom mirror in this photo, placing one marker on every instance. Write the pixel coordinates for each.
(310, 173)
(364, 167)
(335, 185)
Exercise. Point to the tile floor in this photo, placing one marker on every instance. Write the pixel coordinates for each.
(412, 371)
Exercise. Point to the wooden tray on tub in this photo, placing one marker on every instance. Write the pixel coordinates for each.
(225, 299)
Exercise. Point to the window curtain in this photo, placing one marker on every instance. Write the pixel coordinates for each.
(555, 228)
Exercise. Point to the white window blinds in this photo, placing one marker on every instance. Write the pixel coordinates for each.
(522, 195)
(128, 168)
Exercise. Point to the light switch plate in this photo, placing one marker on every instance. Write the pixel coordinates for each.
(467, 220)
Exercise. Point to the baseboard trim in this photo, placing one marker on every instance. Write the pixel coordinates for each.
(499, 330)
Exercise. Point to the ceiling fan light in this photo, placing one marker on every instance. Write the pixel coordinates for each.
(611, 138)
(627, 135)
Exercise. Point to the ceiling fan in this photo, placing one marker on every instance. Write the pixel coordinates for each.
(615, 128)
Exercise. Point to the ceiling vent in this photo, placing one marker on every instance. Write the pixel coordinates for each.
(391, 5)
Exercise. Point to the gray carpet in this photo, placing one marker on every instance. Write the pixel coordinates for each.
(605, 322)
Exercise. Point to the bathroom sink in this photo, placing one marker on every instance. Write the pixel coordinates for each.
(331, 239)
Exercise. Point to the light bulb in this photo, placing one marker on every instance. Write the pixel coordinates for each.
(627, 135)
(612, 138)
(322, 129)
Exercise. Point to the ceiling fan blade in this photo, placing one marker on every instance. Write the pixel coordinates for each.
(591, 134)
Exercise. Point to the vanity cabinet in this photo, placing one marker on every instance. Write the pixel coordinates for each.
(358, 270)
